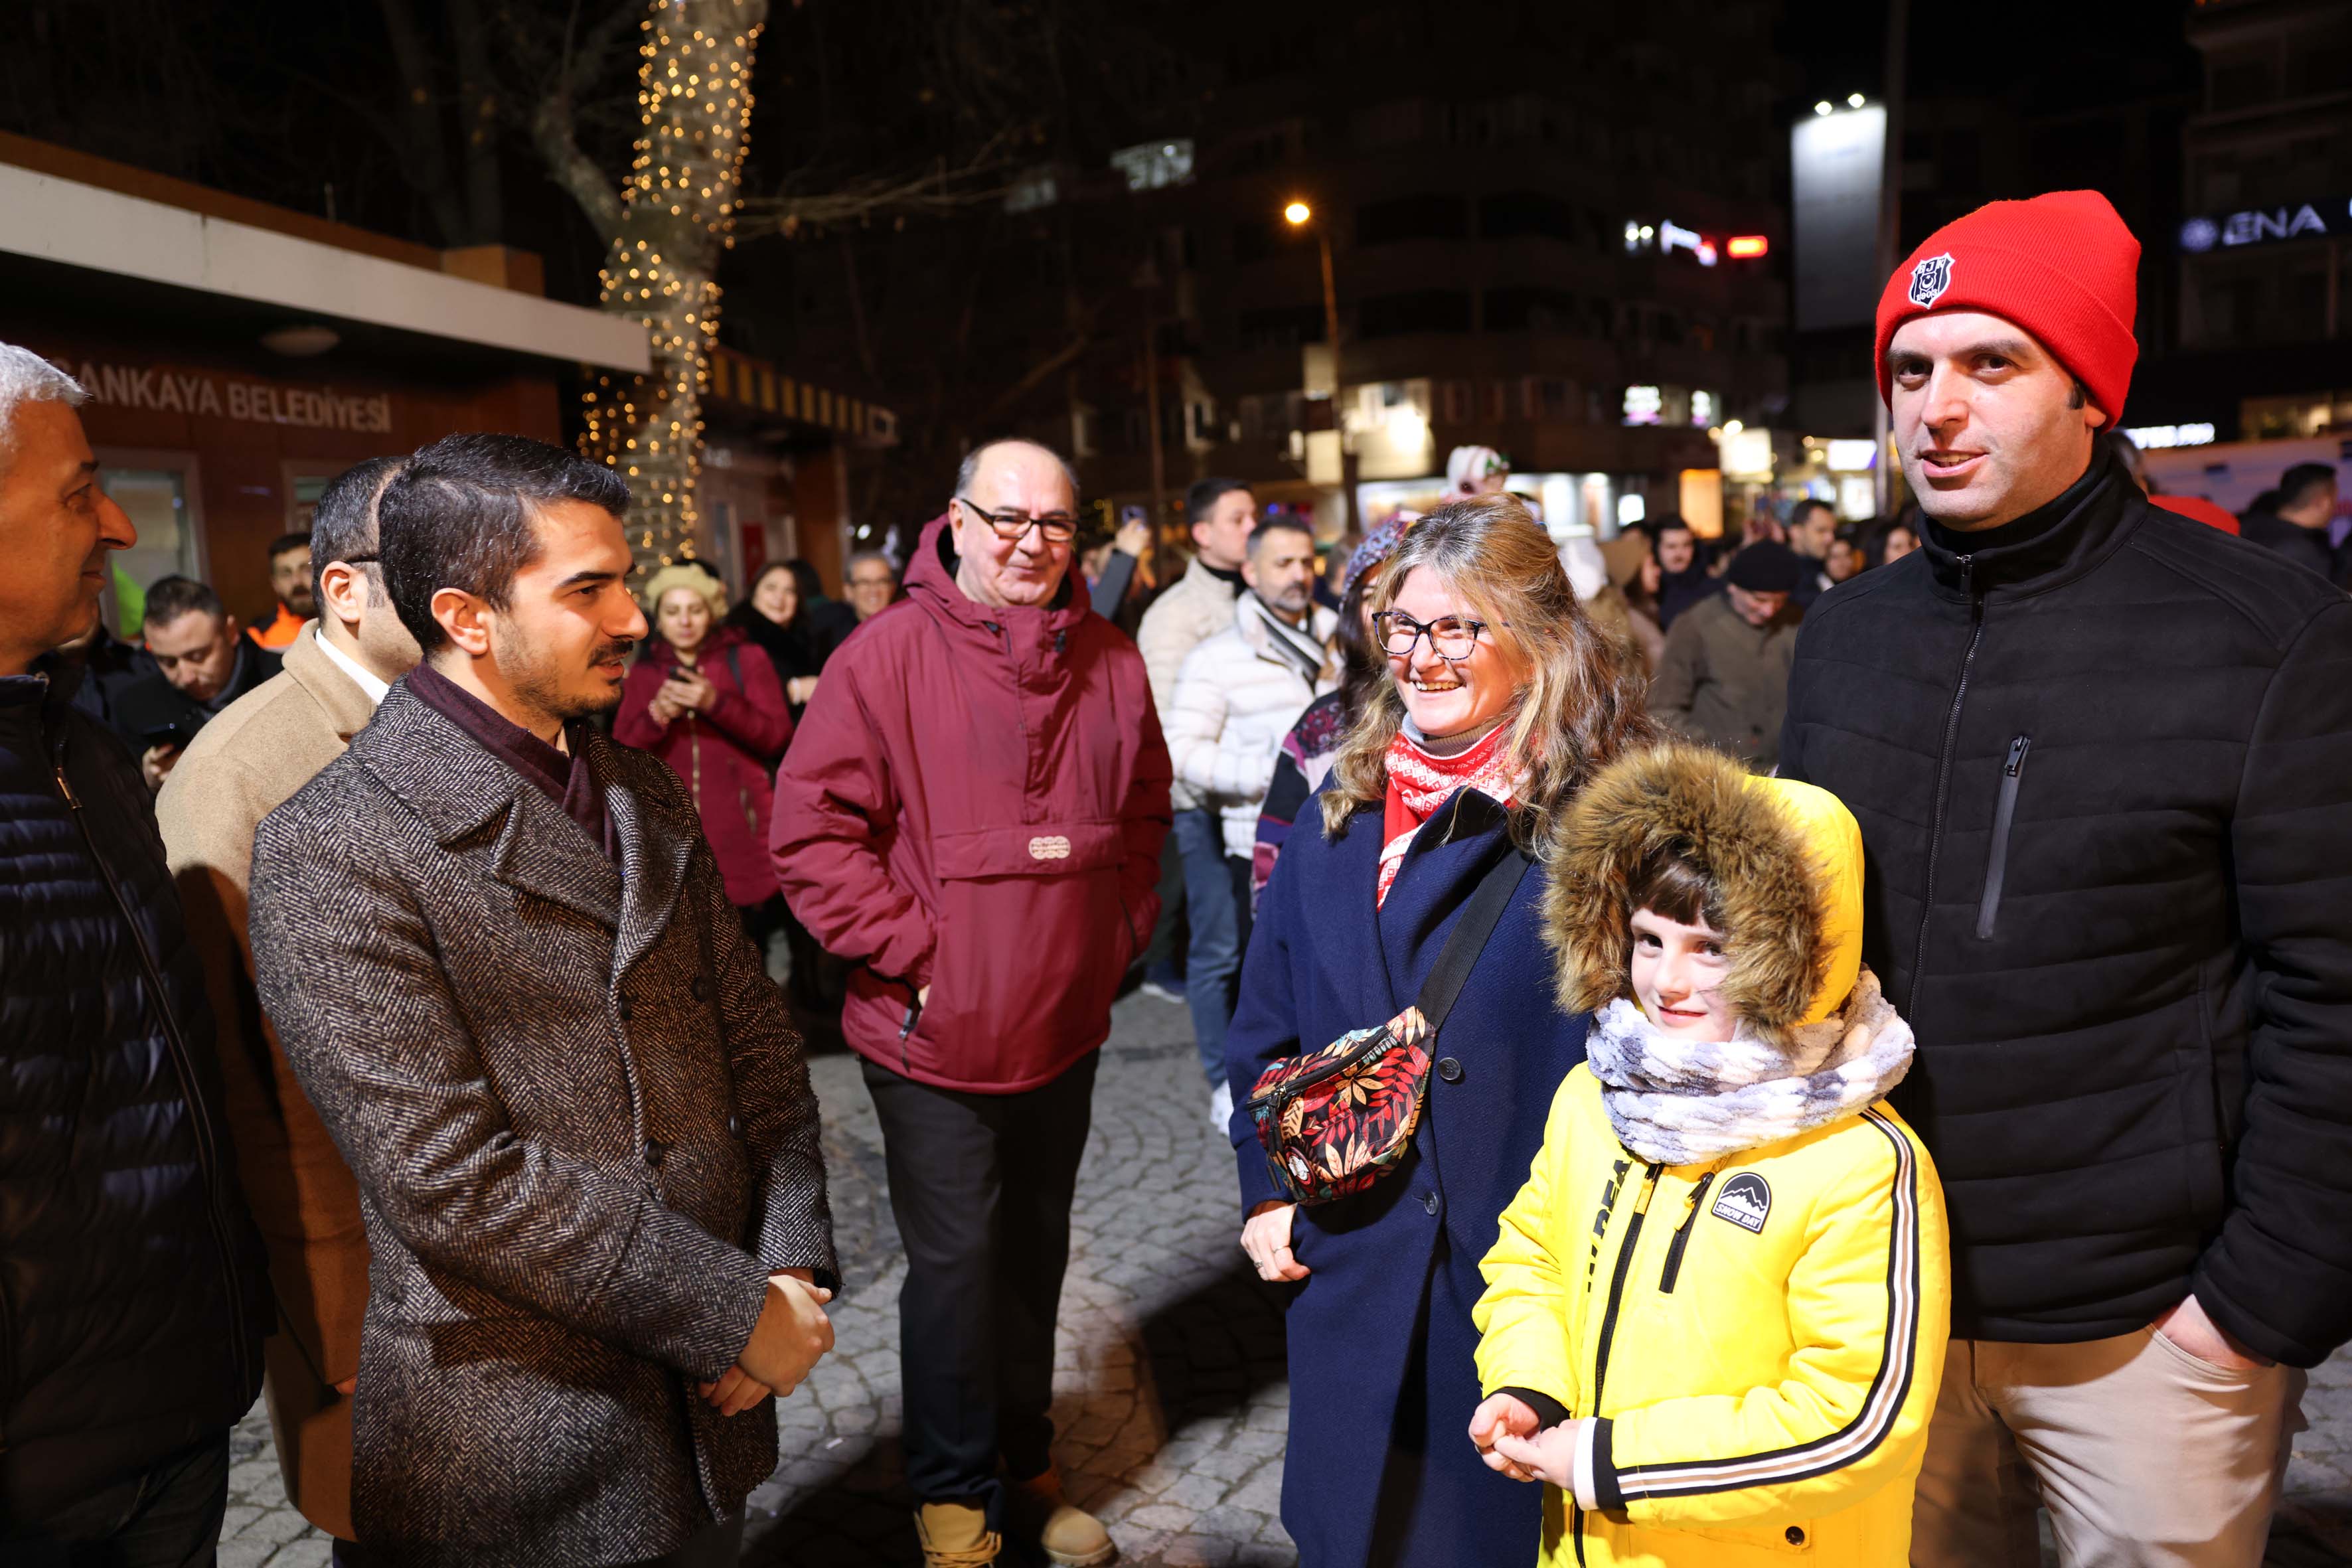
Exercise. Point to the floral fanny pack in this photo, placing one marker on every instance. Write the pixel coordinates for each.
(1334, 1121)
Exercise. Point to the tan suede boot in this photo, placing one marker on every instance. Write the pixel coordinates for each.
(1067, 1534)
(956, 1535)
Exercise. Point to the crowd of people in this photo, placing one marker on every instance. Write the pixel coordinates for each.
(1827, 1041)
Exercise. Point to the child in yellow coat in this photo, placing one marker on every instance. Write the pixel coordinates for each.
(1715, 1318)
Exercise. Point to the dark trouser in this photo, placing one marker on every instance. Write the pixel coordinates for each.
(1244, 917)
(717, 1547)
(167, 1517)
(1163, 955)
(1213, 959)
(980, 1185)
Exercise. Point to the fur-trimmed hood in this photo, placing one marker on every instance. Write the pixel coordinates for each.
(1785, 859)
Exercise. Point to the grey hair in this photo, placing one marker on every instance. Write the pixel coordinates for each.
(968, 469)
(26, 377)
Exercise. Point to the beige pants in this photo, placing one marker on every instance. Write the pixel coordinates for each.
(2143, 1455)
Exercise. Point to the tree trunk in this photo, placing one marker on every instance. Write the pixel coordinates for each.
(671, 220)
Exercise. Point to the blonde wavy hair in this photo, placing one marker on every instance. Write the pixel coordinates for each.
(1582, 702)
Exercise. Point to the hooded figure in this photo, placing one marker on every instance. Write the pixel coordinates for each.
(1716, 1314)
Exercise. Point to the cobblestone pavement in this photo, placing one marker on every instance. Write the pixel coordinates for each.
(1169, 1386)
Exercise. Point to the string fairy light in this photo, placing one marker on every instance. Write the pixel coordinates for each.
(679, 201)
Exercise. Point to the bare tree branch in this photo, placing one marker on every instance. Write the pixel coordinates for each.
(934, 191)
(554, 132)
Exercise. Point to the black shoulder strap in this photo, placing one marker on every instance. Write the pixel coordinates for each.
(1484, 911)
(735, 665)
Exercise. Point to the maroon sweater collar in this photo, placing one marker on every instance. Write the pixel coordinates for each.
(568, 780)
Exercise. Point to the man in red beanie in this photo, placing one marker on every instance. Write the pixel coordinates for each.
(2102, 759)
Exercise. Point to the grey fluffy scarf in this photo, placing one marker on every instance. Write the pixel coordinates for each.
(1674, 1101)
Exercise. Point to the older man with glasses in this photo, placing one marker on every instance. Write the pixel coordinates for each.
(974, 817)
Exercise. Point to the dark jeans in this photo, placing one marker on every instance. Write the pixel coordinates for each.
(1212, 963)
(980, 1185)
(717, 1547)
(169, 1516)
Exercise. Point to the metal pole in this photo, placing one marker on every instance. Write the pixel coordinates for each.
(1151, 414)
(1338, 418)
(1890, 222)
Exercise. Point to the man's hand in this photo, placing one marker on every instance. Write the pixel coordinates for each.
(792, 1335)
(800, 689)
(1548, 1456)
(736, 1392)
(1503, 1415)
(1265, 1236)
(155, 764)
(1133, 538)
(2188, 1328)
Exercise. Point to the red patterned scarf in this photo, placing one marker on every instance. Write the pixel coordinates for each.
(1419, 783)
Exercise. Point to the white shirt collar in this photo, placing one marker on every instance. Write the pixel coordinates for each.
(362, 677)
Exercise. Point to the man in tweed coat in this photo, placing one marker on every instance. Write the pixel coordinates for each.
(502, 963)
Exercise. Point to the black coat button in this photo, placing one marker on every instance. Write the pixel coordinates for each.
(655, 1150)
(734, 1127)
(1449, 1069)
(1794, 1535)
(699, 988)
(1429, 1201)
(622, 1008)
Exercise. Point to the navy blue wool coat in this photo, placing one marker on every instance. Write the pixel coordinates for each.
(1382, 1382)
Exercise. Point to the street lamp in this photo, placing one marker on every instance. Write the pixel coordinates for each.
(1298, 214)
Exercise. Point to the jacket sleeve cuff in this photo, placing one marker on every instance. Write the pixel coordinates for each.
(1550, 1412)
(1596, 1463)
(2251, 1332)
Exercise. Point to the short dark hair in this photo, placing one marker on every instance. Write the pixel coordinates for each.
(343, 527)
(463, 514)
(2302, 481)
(1669, 523)
(285, 541)
(169, 598)
(1805, 506)
(1202, 497)
(1280, 523)
(1672, 884)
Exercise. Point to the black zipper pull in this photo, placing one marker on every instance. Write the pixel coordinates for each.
(1682, 1237)
(2017, 755)
(65, 788)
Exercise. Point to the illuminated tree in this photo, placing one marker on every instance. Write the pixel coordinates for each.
(666, 222)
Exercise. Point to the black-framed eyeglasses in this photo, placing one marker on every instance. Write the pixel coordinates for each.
(1058, 526)
(1451, 637)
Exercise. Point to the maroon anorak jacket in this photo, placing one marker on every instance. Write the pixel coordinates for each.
(975, 801)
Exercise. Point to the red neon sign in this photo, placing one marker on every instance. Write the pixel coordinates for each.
(1747, 246)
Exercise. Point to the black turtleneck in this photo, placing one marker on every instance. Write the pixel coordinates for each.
(1231, 579)
(2017, 530)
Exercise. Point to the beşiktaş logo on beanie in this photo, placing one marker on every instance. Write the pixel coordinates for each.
(1746, 1200)
(1930, 278)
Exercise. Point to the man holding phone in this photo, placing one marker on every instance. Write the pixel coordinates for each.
(202, 665)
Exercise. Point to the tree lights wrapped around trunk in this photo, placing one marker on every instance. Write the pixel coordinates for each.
(668, 222)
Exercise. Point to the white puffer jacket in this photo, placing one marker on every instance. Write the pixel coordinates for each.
(1196, 606)
(1237, 695)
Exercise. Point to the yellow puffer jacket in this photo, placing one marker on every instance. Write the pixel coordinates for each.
(1762, 1337)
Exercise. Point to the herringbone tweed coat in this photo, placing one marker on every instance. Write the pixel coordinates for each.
(583, 1131)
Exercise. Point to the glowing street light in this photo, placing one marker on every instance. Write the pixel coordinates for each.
(1297, 213)
(1822, 107)
(1853, 101)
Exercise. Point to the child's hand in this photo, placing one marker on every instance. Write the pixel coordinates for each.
(1502, 1415)
(1546, 1456)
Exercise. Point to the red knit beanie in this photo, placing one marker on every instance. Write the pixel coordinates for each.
(2061, 266)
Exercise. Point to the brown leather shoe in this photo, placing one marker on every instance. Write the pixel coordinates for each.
(1068, 1535)
(956, 1535)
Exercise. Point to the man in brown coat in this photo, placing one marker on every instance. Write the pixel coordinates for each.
(260, 750)
(1723, 679)
(504, 967)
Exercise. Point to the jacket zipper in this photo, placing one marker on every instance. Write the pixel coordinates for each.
(1682, 1237)
(184, 1068)
(1609, 1317)
(1944, 767)
(1996, 861)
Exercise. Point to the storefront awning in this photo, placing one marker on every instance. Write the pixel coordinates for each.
(66, 222)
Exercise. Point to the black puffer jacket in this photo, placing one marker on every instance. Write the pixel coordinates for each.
(132, 1296)
(2103, 766)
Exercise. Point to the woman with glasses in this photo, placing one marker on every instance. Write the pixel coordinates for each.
(1500, 699)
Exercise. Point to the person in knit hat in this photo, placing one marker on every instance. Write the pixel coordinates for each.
(1723, 678)
(2101, 755)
